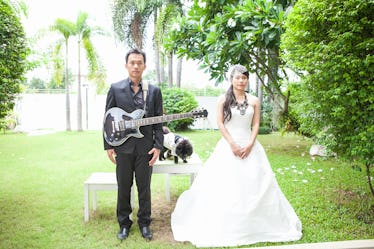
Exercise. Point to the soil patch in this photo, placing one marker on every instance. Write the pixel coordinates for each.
(161, 213)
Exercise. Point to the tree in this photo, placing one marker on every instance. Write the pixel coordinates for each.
(52, 84)
(130, 19)
(13, 52)
(221, 33)
(37, 83)
(169, 12)
(330, 43)
(84, 32)
(130, 22)
(66, 29)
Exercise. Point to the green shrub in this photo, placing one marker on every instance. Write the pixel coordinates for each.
(177, 100)
(330, 44)
(264, 130)
(13, 53)
(266, 113)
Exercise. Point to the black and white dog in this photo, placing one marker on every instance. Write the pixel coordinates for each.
(175, 145)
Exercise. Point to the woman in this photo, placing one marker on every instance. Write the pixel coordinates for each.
(235, 199)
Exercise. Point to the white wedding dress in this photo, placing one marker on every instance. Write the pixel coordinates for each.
(235, 201)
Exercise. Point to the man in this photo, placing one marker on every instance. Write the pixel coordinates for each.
(135, 155)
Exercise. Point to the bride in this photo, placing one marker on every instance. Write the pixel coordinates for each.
(235, 199)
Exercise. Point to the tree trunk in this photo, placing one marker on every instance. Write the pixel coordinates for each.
(369, 178)
(277, 99)
(157, 51)
(179, 72)
(136, 31)
(157, 64)
(259, 91)
(268, 62)
(162, 69)
(79, 100)
(68, 126)
(170, 69)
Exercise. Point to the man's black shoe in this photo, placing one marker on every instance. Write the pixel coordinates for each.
(123, 233)
(146, 233)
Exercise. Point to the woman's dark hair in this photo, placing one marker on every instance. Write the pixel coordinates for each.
(229, 101)
(135, 51)
(229, 96)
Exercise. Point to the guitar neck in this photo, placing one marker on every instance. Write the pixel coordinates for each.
(160, 119)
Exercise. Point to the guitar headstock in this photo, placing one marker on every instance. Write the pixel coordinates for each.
(201, 113)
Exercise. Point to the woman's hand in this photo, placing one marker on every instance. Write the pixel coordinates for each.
(236, 149)
(244, 152)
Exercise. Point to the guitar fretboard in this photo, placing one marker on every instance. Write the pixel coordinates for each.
(156, 120)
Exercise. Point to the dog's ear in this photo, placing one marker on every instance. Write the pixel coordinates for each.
(165, 130)
(189, 148)
(179, 149)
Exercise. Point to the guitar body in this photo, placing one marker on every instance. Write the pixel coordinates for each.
(115, 131)
(120, 125)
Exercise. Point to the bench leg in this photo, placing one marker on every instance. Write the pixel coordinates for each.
(94, 200)
(86, 203)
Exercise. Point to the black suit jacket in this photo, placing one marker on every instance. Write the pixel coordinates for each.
(120, 95)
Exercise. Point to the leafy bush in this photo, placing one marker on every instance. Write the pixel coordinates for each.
(177, 100)
(12, 58)
(330, 43)
(266, 113)
(264, 130)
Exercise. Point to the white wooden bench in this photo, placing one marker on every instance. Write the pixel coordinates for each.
(100, 181)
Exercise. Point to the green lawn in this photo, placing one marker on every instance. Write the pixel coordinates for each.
(41, 192)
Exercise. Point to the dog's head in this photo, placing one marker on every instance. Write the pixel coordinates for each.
(184, 149)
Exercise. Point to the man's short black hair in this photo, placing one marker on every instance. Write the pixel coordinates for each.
(135, 51)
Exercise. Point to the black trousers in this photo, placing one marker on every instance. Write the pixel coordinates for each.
(127, 165)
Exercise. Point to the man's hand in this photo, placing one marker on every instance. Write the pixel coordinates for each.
(156, 153)
(112, 155)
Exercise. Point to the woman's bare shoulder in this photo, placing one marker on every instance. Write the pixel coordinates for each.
(253, 100)
(221, 98)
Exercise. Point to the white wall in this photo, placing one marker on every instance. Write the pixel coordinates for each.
(47, 111)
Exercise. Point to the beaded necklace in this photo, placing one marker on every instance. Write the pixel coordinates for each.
(242, 107)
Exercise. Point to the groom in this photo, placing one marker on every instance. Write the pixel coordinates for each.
(135, 155)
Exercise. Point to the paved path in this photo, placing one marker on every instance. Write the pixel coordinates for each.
(349, 244)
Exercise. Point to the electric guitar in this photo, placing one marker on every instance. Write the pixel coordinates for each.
(120, 125)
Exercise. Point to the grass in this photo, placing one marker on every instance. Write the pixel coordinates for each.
(41, 192)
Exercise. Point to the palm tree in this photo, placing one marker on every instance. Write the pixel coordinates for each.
(164, 22)
(67, 29)
(160, 76)
(130, 18)
(84, 32)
